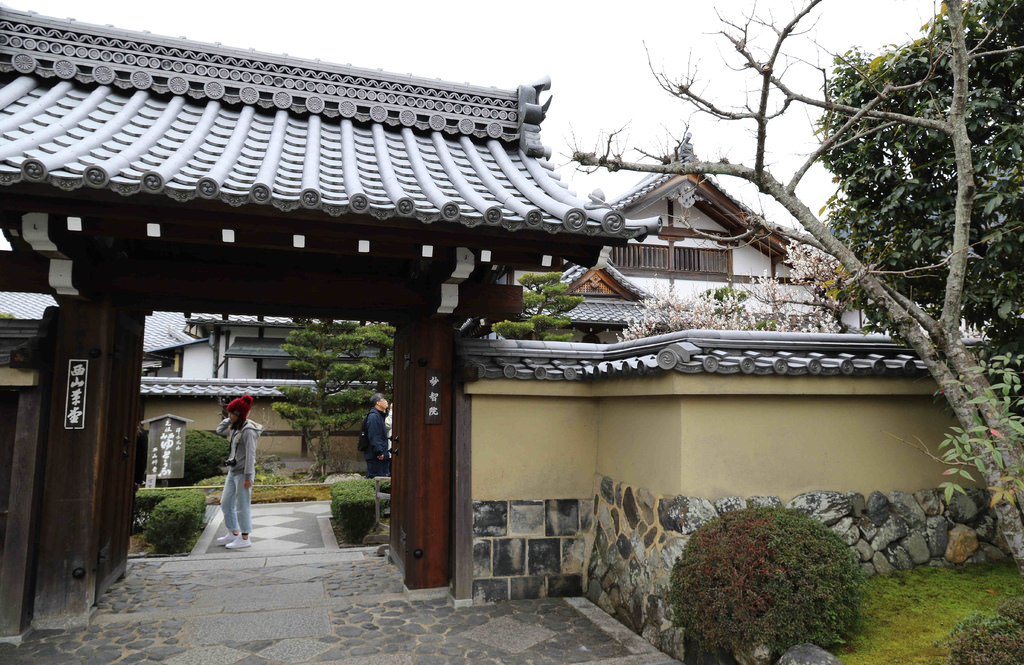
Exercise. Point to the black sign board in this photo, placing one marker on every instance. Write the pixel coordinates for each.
(74, 403)
(433, 410)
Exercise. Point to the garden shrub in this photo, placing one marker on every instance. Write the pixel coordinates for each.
(205, 453)
(175, 520)
(352, 506)
(145, 501)
(765, 577)
(992, 640)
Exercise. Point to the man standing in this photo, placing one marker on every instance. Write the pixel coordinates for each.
(376, 454)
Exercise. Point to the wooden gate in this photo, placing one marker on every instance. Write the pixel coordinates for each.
(421, 468)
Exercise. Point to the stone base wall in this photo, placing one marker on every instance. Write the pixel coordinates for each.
(529, 548)
(638, 536)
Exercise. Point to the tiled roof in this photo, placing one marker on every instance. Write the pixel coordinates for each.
(25, 305)
(256, 347)
(163, 329)
(178, 387)
(574, 272)
(240, 319)
(134, 113)
(693, 352)
(615, 312)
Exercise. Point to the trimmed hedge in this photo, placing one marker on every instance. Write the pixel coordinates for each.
(145, 502)
(767, 577)
(992, 640)
(352, 506)
(174, 521)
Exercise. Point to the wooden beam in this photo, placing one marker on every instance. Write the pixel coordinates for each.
(23, 271)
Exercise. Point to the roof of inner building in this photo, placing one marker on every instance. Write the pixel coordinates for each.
(85, 106)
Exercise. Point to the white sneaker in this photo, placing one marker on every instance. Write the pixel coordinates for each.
(239, 543)
(227, 538)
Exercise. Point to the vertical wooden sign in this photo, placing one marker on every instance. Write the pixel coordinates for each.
(433, 393)
(74, 402)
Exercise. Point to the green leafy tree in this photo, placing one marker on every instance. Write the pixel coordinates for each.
(347, 362)
(545, 306)
(898, 182)
(967, 66)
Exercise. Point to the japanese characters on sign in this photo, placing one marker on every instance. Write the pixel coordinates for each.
(433, 410)
(74, 404)
(166, 449)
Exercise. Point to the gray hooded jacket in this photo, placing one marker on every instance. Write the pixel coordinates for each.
(243, 446)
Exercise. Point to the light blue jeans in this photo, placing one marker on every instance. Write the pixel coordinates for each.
(234, 503)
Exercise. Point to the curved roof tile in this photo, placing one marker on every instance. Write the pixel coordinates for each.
(111, 109)
(692, 352)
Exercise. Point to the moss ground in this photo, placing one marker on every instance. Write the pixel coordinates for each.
(905, 615)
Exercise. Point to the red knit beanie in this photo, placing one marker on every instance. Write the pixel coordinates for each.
(241, 406)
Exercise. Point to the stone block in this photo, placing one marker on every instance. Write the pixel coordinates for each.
(917, 547)
(808, 654)
(544, 556)
(986, 528)
(963, 542)
(490, 518)
(481, 558)
(624, 546)
(608, 490)
(647, 503)
(562, 517)
(509, 556)
(847, 530)
(864, 550)
(894, 528)
(565, 586)
(882, 565)
(868, 530)
(526, 518)
(630, 509)
(490, 591)
(878, 508)
(615, 520)
(764, 502)
(573, 554)
(618, 494)
(586, 514)
(859, 505)
(650, 536)
(827, 506)
(898, 557)
(685, 514)
(992, 553)
(937, 535)
(727, 504)
(930, 501)
(525, 588)
(961, 508)
(907, 507)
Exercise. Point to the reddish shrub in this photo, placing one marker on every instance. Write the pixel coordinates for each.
(765, 576)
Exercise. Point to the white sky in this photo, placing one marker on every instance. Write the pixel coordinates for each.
(596, 54)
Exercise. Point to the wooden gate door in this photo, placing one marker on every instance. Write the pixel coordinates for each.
(421, 468)
(83, 543)
(118, 455)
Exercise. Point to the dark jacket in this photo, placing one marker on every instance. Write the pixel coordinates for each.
(377, 434)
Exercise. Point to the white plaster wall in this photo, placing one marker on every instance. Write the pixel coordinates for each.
(240, 368)
(197, 362)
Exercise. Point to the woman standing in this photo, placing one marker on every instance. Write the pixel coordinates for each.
(235, 501)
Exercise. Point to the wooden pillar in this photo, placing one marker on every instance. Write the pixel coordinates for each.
(462, 496)
(421, 468)
(87, 492)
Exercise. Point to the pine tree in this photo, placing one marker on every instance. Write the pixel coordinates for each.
(347, 363)
(544, 308)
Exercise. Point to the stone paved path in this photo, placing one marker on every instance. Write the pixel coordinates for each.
(328, 606)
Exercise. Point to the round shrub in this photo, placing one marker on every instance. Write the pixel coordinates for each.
(992, 640)
(767, 577)
(353, 509)
(205, 453)
(175, 521)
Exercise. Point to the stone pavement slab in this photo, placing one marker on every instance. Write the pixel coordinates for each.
(323, 607)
